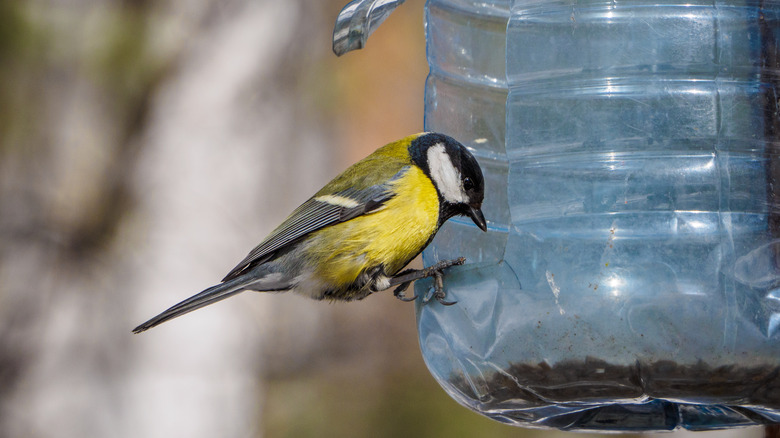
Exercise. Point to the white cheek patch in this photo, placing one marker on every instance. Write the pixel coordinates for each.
(444, 174)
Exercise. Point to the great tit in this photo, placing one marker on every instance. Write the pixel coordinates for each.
(354, 236)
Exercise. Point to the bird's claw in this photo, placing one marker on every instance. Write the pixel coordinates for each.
(438, 289)
(399, 292)
(437, 272)
(405, 278)
(442, 301)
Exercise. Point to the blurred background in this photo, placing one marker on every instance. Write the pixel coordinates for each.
(145, 148)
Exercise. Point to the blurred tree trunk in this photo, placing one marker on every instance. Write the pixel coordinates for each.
(140, 141)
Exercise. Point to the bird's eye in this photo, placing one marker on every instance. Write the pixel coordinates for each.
(468, 184)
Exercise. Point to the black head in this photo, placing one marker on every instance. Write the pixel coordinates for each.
(455, 173)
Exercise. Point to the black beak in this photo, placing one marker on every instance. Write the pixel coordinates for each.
(476, 215)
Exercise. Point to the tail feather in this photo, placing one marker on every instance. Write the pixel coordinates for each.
(208, 296)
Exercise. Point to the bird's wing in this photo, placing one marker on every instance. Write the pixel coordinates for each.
(318, 212)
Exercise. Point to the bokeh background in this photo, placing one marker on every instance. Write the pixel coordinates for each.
(145, 147)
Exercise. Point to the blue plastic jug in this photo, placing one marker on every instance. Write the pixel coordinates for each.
(629, 279)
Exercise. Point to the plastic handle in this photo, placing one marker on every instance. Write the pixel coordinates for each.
(357, 21)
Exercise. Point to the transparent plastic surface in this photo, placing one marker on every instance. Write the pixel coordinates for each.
(629, 279)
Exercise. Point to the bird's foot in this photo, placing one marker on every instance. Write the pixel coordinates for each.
(438, 290)
(405, 278)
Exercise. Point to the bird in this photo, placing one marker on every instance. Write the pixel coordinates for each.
(355, 235)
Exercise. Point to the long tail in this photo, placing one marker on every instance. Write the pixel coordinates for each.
(208, 296)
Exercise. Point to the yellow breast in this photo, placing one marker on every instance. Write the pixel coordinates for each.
(390, 236)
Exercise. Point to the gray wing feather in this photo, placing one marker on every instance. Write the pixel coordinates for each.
(311, 216)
